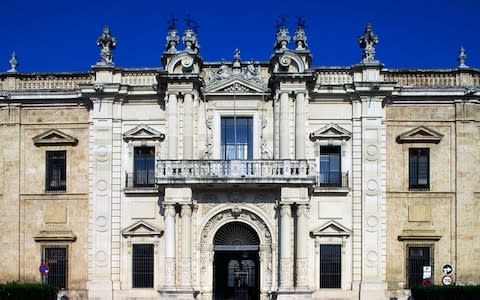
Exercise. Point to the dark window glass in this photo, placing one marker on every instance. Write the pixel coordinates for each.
(56, 173)
(419, 168)
(330, 266)
(144, 166)
(237, 138)
(142, 266)
(419, 256)
(330, 166)
(57, 260)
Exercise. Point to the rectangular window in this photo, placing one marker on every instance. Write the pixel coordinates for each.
(419, 256)
(330, 266)
(144, 167)
(56, 257)
(56, 171)
(330, 166)
(419, 168)
(237, 138)
(142, 266)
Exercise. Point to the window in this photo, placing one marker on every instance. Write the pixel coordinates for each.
(419, 168)
(56, 173)
(142, 266)
(237, 138)
(419, 256)
(330, 166)
(330, 266)
(57, 260)
(144, 167)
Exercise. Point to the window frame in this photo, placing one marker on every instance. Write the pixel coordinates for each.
(418, 170)
(250, 136)
(147, 180)
(330, 178)
(53, 157)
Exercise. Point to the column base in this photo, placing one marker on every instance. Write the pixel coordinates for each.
(294, 293)
(372, 290)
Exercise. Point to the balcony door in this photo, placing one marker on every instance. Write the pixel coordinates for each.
(236, 138)
(144, 167)
(330, 166)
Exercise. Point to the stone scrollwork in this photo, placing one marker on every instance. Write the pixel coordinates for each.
(187, 62)
(285, 61)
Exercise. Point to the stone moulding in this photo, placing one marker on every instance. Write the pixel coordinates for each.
(419, 235)
(420, 134)
(141, 228)
(55, 236)
(54, 137)
(331, 131)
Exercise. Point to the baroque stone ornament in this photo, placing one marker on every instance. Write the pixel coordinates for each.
(190, 36)
(283, 37)
(367, 42)
(462, 57)
(107, 43)
(300, 38)
(172, 36)
(13, 63)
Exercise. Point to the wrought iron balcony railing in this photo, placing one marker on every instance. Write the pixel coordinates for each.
(140, 179)
(235, 171)
(332, 180)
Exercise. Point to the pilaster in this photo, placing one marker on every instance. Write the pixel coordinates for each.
(172, 125)
(300, 125)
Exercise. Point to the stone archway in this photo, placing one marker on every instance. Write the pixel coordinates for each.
(265, 250)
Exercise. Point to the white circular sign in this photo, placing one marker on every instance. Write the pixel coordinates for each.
(447, 280)
(447, 269)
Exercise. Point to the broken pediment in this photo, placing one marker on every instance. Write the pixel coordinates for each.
(141, 228)
(54, 137)
(143, 132)
(420, 134)
(331, 228)
(331, 132)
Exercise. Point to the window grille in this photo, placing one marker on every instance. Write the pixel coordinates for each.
(142, 266)
(330, 266)
(419, 168)
(419, 256)
(56, 257)
(56, 173)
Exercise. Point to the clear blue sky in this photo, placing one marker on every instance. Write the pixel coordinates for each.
(60, 35)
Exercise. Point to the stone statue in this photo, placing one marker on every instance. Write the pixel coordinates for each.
(462, 57)
(368, 41)
(107, 43)
(300, 37)
(13, 63)
(252, 73)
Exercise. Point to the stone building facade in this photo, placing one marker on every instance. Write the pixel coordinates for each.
(240, 179)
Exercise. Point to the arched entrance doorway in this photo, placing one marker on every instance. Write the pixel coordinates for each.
(236, 270)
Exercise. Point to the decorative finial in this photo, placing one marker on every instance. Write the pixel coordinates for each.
(13, 63)
(236, 61)
(172, 36)
(283, 38)
(190, 36)
(107, 43)
(367, 42)
(300, 37)
(462, 57)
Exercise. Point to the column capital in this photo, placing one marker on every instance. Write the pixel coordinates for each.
(186, 210)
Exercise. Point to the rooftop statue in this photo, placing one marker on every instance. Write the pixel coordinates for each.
(172, 36)
(283, 37)
(13, 63)
(462, 57)
(300, 37)
(368, 41)
(190, 36)
(107, 43)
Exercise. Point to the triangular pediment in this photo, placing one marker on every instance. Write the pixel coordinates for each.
(420, 134)
(141, 228)
(331, 132)
(54, 137)
(143, 132)
(236, 84)
(331, 228)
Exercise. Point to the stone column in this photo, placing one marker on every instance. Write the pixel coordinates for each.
(284, 127)
(170, 268)
(286, 263)
(300, 126)
(188, 126)
(301, 247)
(172, 123)
(186, 259)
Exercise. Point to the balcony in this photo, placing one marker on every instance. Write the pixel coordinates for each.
(295, 172)
(140, 181)
(332, 182)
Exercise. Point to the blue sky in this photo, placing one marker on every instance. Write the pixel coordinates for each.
(60, 35)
